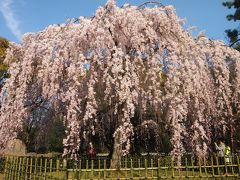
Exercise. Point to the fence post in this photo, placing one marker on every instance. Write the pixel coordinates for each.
(10, 168)
(40, 169)
(218, 169)
(13, 167)
(16, 167)
(57, 166)
(35, 168)
(45, 168)
(200, 169)
(126, 163)
(86, 172)
(125, 166)
(30, 170)
(159, 168)
(192, 165)
(65, 167)
(104, 169)
(238, 164)
(50, 170)
(23, 168)
(99, 167)
(6, 167)
(26, 169)
(172, 167)
(80, 168)
(213, 171)
(205, 169)
(186, 167)
(110, 169)
(139, 166)
(19, 168)
(119, 169)
(92, 168)
(145, 164)
(75, 169)
(131, 168)
(152, 168)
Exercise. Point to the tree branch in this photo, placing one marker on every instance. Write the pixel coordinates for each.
(234, 42)
(150, 2)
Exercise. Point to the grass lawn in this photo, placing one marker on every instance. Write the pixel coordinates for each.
(133, 174)
(126, 173)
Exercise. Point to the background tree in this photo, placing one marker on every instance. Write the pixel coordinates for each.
(233, 34)
(4, 44)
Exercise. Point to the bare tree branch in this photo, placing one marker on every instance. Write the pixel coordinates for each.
(231, 45)
(151, 2)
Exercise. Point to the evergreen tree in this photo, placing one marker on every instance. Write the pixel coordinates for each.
(233, 34)
(4, 44)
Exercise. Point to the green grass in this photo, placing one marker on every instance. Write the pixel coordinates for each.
(128, 173)
(133, 174)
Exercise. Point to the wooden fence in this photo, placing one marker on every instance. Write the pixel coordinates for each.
(39, 168)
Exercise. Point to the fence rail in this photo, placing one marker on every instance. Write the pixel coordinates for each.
(38, 168)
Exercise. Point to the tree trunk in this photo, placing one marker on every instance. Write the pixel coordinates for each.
(117, 152)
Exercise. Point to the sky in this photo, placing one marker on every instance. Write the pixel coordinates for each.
(20, 16)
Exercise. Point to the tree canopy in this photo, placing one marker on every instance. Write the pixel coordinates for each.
(126, 73)
(233, 34)
(3, 48)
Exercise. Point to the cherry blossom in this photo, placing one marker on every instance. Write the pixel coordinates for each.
(125, 60)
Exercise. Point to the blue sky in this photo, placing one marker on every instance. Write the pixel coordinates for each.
(21, 16)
